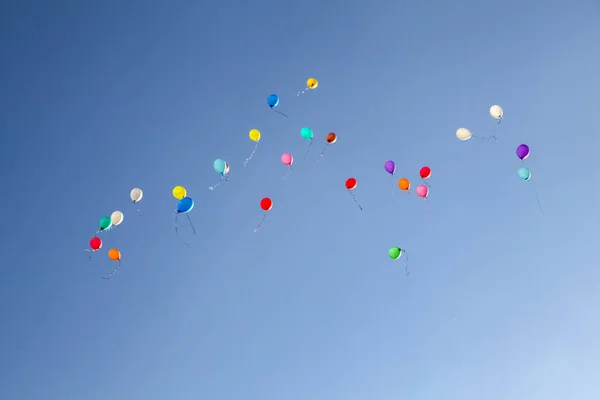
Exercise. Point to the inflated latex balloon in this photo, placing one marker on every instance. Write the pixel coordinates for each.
(219, 165)
(312, 83)
(463, 134)
(425, 172)
(306, 133)
(524, 173)
(254, 135)
(404, 184)
(351, 184)
(523, 151)
(266, 204)
(496, 111)
(95, 243)
(179, 192)
(287, 159)
(116, 218)
(273, 101)
(114, 254)
(136, 195)
(185, 205)
(422, 191)
(390, 167)
(395, 253)
(105, 223)
(331, 138)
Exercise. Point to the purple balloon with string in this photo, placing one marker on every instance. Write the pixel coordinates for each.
(390, 167)
(523, 151)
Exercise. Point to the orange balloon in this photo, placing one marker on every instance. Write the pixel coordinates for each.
(403, 184)
(114, 254)
(331, 138)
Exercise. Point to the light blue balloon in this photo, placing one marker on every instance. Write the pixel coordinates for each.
(220, 166)
(185, 205)
(273, 100)
(524, 173)
(306, 133)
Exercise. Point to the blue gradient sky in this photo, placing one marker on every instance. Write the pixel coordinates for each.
(502, 302)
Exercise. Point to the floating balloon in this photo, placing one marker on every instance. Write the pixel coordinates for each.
(136, 195)
(265, 204)
(496, 112)
(117, 218)
(351, 184)
(404, 184)
(523, 151)
(114, 255)
(390, 167)
(311, 83)
(95, 245)
(395, 253)
(105, 223)
(307, 134)
(179, 192)
(184, 206)
(463, 134)
(221, 168)
(287, 159)
(254, 135)
(524, 173)
(422, 191)
(330, 138)
(273, 101)
(425, 172)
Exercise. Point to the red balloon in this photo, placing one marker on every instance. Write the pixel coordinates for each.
(266, 204)
(95, 243)
(351, 184)
(425, 172)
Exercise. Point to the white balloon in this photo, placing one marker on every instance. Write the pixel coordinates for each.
(463, 134)
(116, 218)
(136, 195)
(496, 111)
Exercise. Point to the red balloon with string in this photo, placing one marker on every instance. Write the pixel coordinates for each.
(425, 173)
(266, 204)
(351, 184)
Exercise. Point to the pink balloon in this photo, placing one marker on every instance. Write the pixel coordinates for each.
(287, 159)
(422, 191)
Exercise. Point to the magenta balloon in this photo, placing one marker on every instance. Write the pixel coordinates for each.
(390, 167)
(523, 151)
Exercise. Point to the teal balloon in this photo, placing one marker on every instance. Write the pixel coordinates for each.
(524, 173)
(219, 166)
(306, 133)
(105, 223)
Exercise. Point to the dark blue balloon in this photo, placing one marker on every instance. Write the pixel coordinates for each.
(185, 205)
(273, 100)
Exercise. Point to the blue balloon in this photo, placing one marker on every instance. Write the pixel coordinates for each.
(273, 100)
(185, 205)
(220, 166)
(524, 173)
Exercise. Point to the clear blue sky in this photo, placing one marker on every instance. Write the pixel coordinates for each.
(502, 302)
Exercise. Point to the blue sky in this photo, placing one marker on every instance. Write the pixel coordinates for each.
(502, 302)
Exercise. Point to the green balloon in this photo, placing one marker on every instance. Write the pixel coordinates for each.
(105, 223)
(395, 253)
(306, 133)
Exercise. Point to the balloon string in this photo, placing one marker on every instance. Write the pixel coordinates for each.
(322, 153)
(406, 264)
(191, 223)
(139, 211)
(251, 155)
(261, 222)
(113, 272)
(354, 198)
(279, 112)
(287, 173)
(218, 183)
(177, 230)
(307, 151)
(538, 199)
(302, 92)
(486, 137)
(426, 184)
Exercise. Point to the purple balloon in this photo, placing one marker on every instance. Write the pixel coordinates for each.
(390, 167)
(523, 151)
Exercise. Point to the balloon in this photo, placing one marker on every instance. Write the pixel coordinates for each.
(136, 195)
(226, 169)
(403, 184)
(185, 205)
(114, 254)
(105, 223)
(273, 100)
(331, 138)
(496, 111)
(395, 253)
(179, 192)
(463, 134)
(524, 173)
(266, 204)
(95, 243)
(351, 184)
(523, 151)
(422, 191)
(220, 166)
(116, 218)
(306, 133)
(390, 167)
(254, 135)
(312, 83)
(287, 159)
(425, 172)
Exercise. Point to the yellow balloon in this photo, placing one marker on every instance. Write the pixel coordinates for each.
(179, 192)
(254, 135)
(312, 83)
